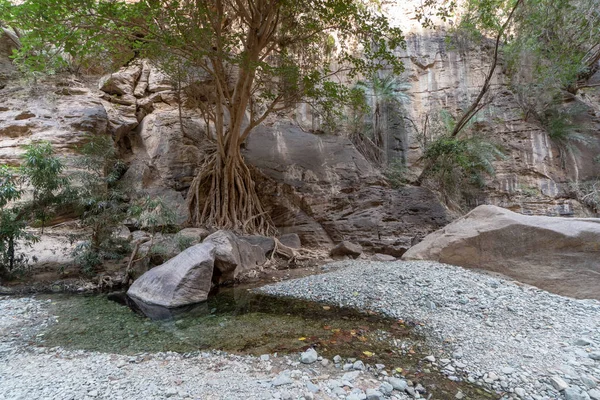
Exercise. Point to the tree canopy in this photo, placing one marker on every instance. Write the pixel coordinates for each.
(260, 57)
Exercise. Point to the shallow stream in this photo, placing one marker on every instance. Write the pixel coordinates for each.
(239, 321)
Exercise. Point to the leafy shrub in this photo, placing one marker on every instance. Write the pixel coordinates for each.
(459, 166)
(42, 171)
(396, 174)
(103, 206)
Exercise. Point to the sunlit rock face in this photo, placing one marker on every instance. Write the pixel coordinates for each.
(444, 74)
(556, 254)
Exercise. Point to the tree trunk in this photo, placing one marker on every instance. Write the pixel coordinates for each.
(223, 195)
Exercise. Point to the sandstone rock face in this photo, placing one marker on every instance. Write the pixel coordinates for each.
(234, 255)
(183, 280)
(561, 255)
(62, 116)
(444, 75)
(323, 189)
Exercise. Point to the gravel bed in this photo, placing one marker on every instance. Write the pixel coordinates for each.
(521, 341)
(29, 372)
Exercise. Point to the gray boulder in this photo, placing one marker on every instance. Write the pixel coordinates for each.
(183, 280)
(233, 255)
(561, 255)
(291, 240)
(346, 248)
(264, 242)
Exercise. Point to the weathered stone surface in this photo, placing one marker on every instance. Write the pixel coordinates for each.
(323, 189)
(233, 255)
(264, 242)
(561, 255)
(184, 279)
(63, 120)
(195, 234)
(122, 82)
(8, 43)
(291, 240)
(346, 248)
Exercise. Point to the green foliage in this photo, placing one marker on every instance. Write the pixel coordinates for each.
(460, 165)
(102, 204)
(376, 98)
(42, 171)
(396, 174)
(587, 193)
(151, 214)
(183, 242)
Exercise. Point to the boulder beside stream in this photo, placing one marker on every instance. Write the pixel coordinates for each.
(184, 279)
(560, 255)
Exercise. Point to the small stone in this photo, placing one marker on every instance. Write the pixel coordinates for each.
(93, 393)
(170, 392)
(379, 366)
(347, 367)
(520, 392)
(558, 383)
(508, 370)
(309, 356)
(583, 342)
(337, 359)
(373, 394)
(594, 394)
(358, 365)
(444, 361)
(493, 377)
(595, 355)
(350, 376)
(383, 257)
(312, 387)
(264, 357)
(386, 388)
(324, 362)
(398, 384)
(573, 393)
(589, 382)
(282, 379)
(419, 388)
(460, 395)
(430, 358)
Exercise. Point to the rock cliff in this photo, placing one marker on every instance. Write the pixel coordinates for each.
(316, 185)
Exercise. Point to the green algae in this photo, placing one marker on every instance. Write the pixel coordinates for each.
(241, 322)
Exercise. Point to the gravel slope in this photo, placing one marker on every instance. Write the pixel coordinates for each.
(510, 337)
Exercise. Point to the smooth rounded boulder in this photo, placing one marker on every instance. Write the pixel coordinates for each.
(185, 279)
(560, 255)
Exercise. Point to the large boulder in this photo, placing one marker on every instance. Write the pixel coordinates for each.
(183, 280)
(234, 255)
(561, 255)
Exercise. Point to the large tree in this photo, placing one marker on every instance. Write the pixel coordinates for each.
(259, 57)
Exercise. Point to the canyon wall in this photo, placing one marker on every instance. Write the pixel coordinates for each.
(316, 185)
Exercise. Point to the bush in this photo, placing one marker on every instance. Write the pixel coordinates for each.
(42, 171)
(459, 166)
(102, 204)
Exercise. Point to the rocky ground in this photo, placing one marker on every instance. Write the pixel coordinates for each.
(517, 340)
(29, 372)
(512, 338)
